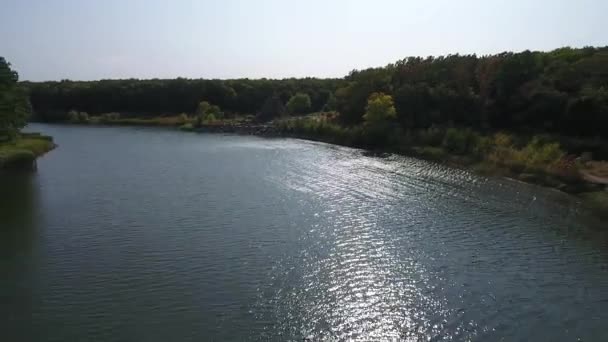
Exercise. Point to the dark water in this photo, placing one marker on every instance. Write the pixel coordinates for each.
(132, 234)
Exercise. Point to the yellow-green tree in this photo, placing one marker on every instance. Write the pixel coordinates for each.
(207, 112)
(379, 115)
(380, 109)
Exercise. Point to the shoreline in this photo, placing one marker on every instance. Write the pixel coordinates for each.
(592, 195)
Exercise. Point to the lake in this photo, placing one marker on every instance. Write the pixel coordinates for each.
(146, 234)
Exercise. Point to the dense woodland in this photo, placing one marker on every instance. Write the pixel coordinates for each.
(52, 100)
(564, 91)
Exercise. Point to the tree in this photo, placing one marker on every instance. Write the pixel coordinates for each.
(380, 109)
(15, 107)
(379, 114)
(207, 112)
(202, 108)
(299, 104)
(331, 104)
(272, 108)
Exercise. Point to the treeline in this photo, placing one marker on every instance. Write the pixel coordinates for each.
(145, 98)
(564, 91)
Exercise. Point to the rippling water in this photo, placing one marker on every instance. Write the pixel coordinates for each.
(155, 235)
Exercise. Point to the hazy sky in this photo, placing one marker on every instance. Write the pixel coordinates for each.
(93, 39)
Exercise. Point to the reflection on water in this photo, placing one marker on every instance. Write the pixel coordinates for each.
(18, 236)
(145, 234)
(18, 196)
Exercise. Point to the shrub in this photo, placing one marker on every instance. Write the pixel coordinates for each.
(73, 116)
(273, 108)
(210, 117)
(459, 141)
(110, 117)
(207, 112)
(78, 117)
(83, 117)
(183, 118)
(539, 154)
(432, 136)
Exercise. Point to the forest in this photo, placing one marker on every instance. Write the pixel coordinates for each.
(564, 91)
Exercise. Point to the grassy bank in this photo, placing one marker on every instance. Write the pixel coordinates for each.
(22, 153)
(183, 121)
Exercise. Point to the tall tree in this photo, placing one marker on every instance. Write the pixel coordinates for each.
(14, 104)
(299, 104)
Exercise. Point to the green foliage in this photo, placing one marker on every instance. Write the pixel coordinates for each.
(272, 108)
(432, 136)
(380, 108)
(78, 117)
(183, 118)
(299, 104)
(23, 150)
(561, 91)
(109, 117)
(211, 118)
(148, 98)
(331, 104)
(207, 112)
(537, 155)
(352, 98)
(321, 127)
(83, 117)
(461, 141)
(15, 106)
(541, 154)
(203, 108)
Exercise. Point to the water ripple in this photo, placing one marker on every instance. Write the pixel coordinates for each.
(154, 235)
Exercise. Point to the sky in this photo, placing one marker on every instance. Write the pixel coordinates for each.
(102, 39)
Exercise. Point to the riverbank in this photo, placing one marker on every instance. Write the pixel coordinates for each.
(21, 154)
(538, 159)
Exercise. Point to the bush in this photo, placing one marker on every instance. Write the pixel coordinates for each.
(539, 154)
(83, 117)
(210, 117)
(207, 112)
(183, 118)
(109, 117)
(460, 141)
(432, 136)
(73, 116)
(78, 117)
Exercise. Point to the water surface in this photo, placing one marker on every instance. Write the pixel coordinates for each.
(129, 234)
